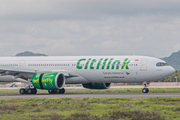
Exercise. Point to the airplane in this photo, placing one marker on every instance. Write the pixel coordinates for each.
(93, 72)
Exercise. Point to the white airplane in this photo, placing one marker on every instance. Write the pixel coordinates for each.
(93, 72)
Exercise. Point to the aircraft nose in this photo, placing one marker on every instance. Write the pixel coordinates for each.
(172, 70)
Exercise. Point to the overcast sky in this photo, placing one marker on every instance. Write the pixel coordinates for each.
(90, 27)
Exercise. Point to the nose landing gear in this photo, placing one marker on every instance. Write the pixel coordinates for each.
(145, 89)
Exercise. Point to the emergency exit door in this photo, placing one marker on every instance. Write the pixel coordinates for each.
(22, 64)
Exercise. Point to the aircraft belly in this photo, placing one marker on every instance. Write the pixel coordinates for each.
(91, 76)
(76, 80)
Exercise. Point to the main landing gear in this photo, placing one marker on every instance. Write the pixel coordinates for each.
(29, 89)
(60, 91)
(145, 89)
(23, 91)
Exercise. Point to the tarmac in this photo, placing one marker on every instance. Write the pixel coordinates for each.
(95, 95)
(133, 86)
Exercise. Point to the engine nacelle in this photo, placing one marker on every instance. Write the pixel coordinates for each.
(48, 81)
(97, 85)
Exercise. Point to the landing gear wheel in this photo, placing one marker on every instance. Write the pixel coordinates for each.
(145, 90)
(22, 91)
(58, 91)
(52, 91)
(34, 91)
(61, 91)
(29, 91)
(26, 91)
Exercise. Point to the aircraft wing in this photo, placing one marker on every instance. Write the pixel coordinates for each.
(17, 73)
(29, 73)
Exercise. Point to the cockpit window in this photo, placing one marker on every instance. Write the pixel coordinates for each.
(162, 64)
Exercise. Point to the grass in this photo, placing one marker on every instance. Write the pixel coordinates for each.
(91, 108)
(111, 90)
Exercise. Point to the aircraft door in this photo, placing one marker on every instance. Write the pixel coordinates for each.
(22, 64)
(143, 66)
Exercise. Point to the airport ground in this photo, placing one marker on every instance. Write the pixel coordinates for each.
(83, 104)
(113, 89)
(91, 108)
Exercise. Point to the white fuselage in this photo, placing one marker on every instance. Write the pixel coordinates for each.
(93, 69)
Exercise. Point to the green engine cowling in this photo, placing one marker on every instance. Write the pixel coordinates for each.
(48, 81)
(97, 85)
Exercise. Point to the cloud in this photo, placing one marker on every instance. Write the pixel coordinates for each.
(84, 10)
(67, 27)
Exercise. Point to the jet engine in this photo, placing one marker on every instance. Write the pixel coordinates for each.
(49, 81)
(97, 85)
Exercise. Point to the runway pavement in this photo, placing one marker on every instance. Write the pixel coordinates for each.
(133, 86)
(95, 95)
